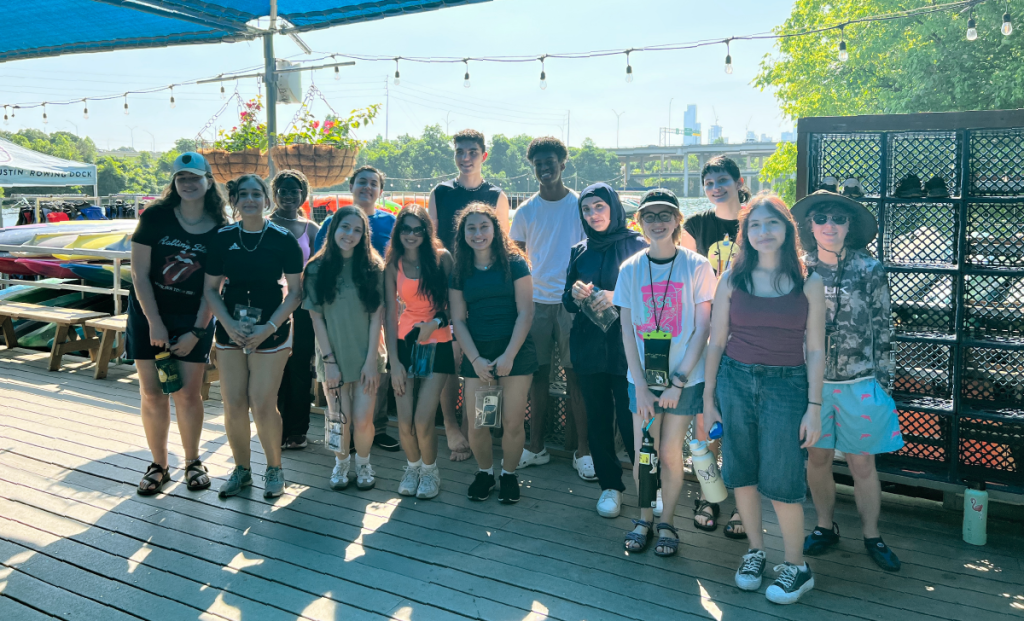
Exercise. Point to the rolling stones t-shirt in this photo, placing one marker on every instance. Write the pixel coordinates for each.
(715, 238)
(177, 266)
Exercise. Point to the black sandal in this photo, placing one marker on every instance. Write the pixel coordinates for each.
(195, 475)
(700, 507)
(151, 479)
(637, 538)
(730, 527)
(672, 544)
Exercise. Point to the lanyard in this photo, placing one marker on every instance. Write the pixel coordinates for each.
(659, 312)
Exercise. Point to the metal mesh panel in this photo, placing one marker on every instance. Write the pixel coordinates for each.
(926, 440)
(319, 214)
(925, 154)
(994, 307)
(920, 233)
(993, 449)
(922, 304)
(923, 369)
(994, 377)
(997, 162)
(994, 237)
(847, 156)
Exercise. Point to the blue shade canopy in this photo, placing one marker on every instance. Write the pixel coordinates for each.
(38, 28)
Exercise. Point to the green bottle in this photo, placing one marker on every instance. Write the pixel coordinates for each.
(167, 371)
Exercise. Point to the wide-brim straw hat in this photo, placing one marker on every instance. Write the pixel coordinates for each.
(867, 225)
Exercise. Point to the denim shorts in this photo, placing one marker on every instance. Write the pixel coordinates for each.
(761, 408)
(691, 402)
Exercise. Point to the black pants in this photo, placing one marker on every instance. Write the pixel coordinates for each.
(607, 401)
(294, 397)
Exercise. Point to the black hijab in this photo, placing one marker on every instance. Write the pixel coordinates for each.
(616, 243)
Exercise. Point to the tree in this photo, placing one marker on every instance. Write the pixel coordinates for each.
(919, 64)
(591, 164)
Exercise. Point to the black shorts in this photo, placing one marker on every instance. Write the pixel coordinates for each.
(444, 357)
(524, 364)
(138, 347)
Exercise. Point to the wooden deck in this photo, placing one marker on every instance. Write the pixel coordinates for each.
(76, 542)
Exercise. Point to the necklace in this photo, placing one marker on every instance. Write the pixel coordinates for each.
(177, 211)
(264, 232)
(484, 268)
(406, 263)
(277, 214)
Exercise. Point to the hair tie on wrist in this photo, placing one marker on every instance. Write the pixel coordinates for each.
(814, 403)
(273, 324)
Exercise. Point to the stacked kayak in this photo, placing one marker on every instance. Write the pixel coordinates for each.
(54, 255)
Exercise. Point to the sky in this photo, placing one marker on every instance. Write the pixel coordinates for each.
(581, 100)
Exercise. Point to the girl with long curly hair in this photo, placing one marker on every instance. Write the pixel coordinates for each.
(343, 292)
(491, 299)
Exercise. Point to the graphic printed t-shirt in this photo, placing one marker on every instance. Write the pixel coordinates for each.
(254, 276)
(673, 295)
(178, 260)
(491, 300)
(381, 225)
(710, 231)
(450, 198)
(549, 229)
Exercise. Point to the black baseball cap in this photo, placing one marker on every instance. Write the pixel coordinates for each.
(659, 196)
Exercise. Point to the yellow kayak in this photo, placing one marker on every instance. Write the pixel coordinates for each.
(57, 242)
(92, 241)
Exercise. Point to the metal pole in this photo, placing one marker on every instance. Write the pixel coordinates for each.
(270, 79)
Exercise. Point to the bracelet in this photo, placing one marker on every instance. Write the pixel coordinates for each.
(814, 403)
(328, 357)
(273, 324)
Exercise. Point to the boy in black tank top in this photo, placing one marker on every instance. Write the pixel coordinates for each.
(446, 201)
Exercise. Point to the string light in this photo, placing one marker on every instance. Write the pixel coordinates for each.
(173, 105)
(629, 68)
(1007, 28)
(465, 78)
(843, 54)
(972, 30)
(543, 75)
(126, 104)
(85, 111)
(337, 73)
(398, 76)
(45, 118)
(223, 95)
(728, 58)
(7, 120)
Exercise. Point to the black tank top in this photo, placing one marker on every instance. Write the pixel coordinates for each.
(450, 198)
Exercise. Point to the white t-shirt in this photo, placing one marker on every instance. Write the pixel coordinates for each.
(550, 230)
(672, 297)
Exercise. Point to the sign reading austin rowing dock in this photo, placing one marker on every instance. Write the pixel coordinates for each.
(24, 167)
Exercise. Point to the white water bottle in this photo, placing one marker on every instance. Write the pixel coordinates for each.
(705, 467)
(976, 515)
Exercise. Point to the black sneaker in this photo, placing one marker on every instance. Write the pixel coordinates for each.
(748, 576)
(853, 189)
(820, 540)
(936, 187)
(482, 486)
(790, 585)
(828, 184)
(909, 187)
(386, 442)
(509, 493)
(882, 555)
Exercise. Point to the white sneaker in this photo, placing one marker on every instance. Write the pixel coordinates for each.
(530, 458)
(430, 483)
(410, 481)
(658, 506)
(364, 477)
(339, 476)
(609, 503)
(584, 467)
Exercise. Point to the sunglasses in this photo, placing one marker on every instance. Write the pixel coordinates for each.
(837, 219)
(418, 231)
(661, 216)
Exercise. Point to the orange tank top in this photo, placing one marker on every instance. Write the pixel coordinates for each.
(418, 308)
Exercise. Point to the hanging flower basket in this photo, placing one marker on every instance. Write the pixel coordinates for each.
(323, 164)
(231, 165)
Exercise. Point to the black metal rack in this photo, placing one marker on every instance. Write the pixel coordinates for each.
(956, 277)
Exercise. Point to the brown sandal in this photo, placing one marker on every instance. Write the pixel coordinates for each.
(730, 527)
(156, 475)
(708, 510)
(196, 477)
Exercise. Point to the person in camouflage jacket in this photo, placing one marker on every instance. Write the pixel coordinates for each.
(859, 416)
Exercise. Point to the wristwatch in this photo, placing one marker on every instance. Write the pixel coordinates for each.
(679, 381)
(199, 332)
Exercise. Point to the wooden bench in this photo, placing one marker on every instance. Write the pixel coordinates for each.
(66, 340)
(109, 328)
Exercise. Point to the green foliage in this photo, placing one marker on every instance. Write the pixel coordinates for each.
(780, 171)
(921, 64)
(590, 164)
(333, 131)
(184, 145)
(248, 134)
(64, 145)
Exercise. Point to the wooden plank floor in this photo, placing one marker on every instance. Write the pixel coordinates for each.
(76, 542)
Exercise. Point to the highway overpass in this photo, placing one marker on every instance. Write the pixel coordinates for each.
(683, 163)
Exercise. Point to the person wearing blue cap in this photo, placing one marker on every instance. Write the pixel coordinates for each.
(167, 311)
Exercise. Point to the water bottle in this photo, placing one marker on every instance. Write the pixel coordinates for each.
(976, 515)
(648, 491)
(705, 466)
(167, 373)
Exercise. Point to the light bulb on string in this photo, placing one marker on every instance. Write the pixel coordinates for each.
(45, 118)
(398, 76)
(7, 120)
(337, 73)
(629, 68)
(543, 75)
(173, 105)
(728, 58)
(972, 27)
(843, 54)
(465, 78)
(223, 94)
(1007, 27)
(126, 104)
(85, 110)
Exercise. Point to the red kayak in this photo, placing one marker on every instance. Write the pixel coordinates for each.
(9, 265)
(50, 268)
